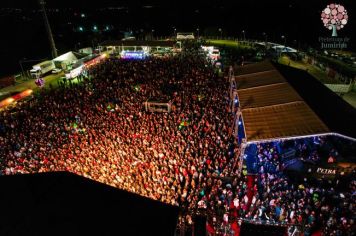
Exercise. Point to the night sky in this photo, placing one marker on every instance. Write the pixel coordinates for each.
(24, 34)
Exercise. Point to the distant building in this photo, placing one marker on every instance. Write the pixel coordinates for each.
(185, 36)
(118, 47)
(87, 50)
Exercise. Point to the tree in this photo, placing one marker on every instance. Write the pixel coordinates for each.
(334, 17)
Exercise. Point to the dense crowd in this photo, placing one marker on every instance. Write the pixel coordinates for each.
(99, 129)
(313, 204)
(272, 196)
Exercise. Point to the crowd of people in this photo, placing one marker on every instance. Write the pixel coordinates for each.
(271, 196)
(314, 204)
(99, 129)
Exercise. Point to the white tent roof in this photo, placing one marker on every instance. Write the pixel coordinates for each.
(69, 56)
(284, 49)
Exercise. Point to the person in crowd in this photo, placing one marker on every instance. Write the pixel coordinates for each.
(99, 129)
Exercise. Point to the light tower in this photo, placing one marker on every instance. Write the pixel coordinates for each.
(48, 29)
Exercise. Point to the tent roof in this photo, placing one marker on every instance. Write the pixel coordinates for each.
(283, 48)
(280, 121)
(138, 43)
(254, 68)
(69, 56)
(332, 109)
(253, 80)
(267, 95)
(271, 108)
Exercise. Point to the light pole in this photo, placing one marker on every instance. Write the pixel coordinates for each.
(175, 30)
(285, 42)
(152, 33)
(92, 42)
(20, 62)
(48, 29)
(295, 44)
(198, 32)
(220, 33)
(265, 38)
(243, 32)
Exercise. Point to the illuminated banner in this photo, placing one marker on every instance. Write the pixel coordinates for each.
(133, 54)
(74, 73)
(326, 171)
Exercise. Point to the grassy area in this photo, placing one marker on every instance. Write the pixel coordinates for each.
(313, 70)
(338, 65)
(350, 97)
(229, 43)
(345, 53)
(51, 80)
(30, 84)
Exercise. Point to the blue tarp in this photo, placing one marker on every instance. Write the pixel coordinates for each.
(251, 159)
(241, 130)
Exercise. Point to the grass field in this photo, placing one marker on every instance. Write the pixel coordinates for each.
(228, 43)
(50, 80)
(350, 97)
(313, 70)
(30, 84)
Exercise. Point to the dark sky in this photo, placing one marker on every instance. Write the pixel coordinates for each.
(24, 33)
(294, 17)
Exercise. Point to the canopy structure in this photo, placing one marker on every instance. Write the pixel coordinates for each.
(69, 56)
(135, 47)
(271, 108)
(138, 43)
(282, 48)
(66, 59)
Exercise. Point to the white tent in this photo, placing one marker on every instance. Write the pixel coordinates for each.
(65, 59)
(281, 48)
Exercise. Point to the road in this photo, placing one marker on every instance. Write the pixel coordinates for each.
(29, 84)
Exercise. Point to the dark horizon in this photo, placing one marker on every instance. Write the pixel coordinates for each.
(25, 35)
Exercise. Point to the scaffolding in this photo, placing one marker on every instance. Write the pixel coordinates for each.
(234, 108)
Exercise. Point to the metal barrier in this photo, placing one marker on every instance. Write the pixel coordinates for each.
(157, 107)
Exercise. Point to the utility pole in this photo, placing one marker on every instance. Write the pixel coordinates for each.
(48, 28)
(22, 72)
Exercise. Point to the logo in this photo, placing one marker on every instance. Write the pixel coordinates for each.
(334, 17)
(326, 171)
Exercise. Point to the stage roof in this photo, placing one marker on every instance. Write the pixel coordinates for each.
(254, 68)
(132, 43)
(272, 108)
(332, 109)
